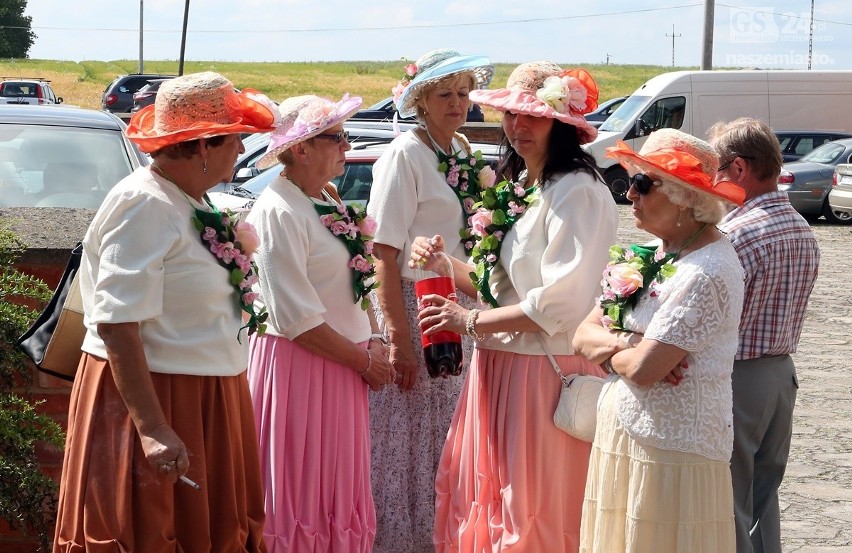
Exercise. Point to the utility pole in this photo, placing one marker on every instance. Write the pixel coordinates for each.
(608, 56)
(674, 36)
(811, 38)
(707, 45)
(141, 57)
(183, 37)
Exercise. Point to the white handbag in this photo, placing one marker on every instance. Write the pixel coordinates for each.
(576, 412)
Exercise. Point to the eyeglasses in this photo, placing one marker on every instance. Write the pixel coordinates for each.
(729, 162)
(336, 137)
(642, 183)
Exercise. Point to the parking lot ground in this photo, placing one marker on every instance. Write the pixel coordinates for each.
(816, 496)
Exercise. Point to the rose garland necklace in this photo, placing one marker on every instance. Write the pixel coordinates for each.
(498, 210)
(467, 176)
(631, 271)
(352, 226)
(232, 243)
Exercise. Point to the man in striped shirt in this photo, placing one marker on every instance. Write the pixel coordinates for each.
(780, 258)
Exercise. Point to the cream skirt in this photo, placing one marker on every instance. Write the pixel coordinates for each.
(640, 498)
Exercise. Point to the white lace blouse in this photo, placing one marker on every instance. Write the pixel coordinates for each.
(698, 310)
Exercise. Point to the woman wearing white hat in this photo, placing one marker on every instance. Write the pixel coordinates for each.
(309, 374)
(509, 479)
(659, 475)
(161, 452)
(419, 187)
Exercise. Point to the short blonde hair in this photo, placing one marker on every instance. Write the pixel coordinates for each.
(705, 208)
(455, 80)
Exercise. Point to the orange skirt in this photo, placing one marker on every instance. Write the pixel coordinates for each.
(111, 500)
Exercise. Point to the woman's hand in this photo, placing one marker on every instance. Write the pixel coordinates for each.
(438, 313)
(165, 451)
(380, 373)
(676, 375)
(404, 360)
(423, 250)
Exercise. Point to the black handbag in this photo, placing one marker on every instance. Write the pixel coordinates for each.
(54, 340)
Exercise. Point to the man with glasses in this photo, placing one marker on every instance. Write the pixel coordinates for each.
(780, 257)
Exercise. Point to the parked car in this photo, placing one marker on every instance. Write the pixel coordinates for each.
(62, 157)
(840, 197)
(35, 91)
(353, 185)
(604, 110)
(384, 110)
(795, 144)
(808, 181)
(146, 95)
(118, 95)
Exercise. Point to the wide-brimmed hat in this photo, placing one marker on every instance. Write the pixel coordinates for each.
(200, 105)
(432, 67)
(303, 117)
(682, 159)
(543, 89)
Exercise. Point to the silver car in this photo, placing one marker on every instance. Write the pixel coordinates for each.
(840, 197)
(808, 181)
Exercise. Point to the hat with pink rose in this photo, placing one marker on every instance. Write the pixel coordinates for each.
(304, 117)
(543, 89)
(431, 68)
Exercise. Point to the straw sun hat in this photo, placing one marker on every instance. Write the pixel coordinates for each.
(303, 117)
(682, 159)
(200, 105)
(543, 89)
(434, 66)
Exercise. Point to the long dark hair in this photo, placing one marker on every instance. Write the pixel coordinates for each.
(564, 155)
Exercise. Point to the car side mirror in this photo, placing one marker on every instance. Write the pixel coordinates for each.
(59, 99)
(246, 173)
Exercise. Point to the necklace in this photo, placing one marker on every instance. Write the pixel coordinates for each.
(355, 229)
(233, 243)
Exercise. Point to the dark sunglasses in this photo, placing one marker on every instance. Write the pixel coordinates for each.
(728, 163)
(642, 183)
(336, 137)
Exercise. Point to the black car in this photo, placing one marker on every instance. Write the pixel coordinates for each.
(62, 156)
(118, 95)
(604, 110)
(146, 95)
(795, 144)
(384, 110)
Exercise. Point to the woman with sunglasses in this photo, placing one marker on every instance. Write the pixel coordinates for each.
(659, 476)
(509, 479)
(309, 374)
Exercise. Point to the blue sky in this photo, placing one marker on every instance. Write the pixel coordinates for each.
(746, 33)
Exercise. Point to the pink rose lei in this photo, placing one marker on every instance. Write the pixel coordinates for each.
(233, 243)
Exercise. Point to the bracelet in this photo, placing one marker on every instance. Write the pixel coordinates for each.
(379, 337)
(369, 363)
(470, 325)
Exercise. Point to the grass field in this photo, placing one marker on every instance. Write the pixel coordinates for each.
(82, 83)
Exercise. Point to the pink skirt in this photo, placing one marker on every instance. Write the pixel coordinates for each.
(509, 479)
(312, 420)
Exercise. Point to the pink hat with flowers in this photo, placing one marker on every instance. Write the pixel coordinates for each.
(304, 117)
(543, 89)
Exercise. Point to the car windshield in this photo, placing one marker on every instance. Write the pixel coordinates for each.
(384, 104)
(55, 166)
(624, 116)
(827, 153)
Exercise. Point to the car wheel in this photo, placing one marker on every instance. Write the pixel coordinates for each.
(618, 182)
(834, 216)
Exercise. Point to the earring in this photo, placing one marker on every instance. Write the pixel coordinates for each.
(204, 167)
(305, 162)
(680, 213)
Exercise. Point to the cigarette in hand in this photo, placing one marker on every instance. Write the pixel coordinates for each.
(189, 482)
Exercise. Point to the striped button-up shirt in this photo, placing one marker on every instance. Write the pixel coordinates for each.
(780, 257)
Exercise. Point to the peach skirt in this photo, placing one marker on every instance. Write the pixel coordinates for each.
(641, 498)
(111, 500)
(509, 479)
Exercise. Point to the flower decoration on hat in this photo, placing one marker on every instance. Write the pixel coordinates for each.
(411, 71)
(264, 101)
(573, 90)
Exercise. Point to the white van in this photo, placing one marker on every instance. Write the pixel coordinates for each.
(693, 101)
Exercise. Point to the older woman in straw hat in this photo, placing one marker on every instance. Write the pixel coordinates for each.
(419, 187)
(310, 373)
(659, 476)
(161, 453)
(509, 479)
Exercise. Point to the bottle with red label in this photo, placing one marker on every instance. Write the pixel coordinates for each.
(442, 351)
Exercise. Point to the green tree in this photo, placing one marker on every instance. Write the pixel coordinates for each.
(27, 495)
(16, 35)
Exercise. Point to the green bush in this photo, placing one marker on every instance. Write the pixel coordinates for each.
(27, 496)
